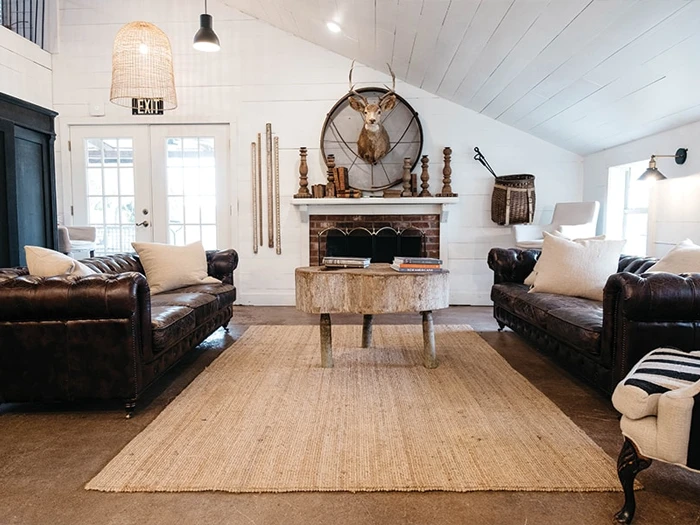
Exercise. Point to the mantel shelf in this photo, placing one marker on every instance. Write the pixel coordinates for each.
(375, 205)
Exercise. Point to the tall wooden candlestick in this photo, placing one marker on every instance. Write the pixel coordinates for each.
(424, 176)
(303, 179)
(446, 175)
(406, 178)
(330, 187)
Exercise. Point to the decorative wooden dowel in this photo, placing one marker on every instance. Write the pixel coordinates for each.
(278, 225)
(254, 178)
(429, 355)
(270, 211)
(406, 178)
(260, 191)
(424, 177)
(446, 175)
(303, 176)
(330, 187)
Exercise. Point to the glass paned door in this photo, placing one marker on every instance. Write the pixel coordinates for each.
(191, 177)
(151, 183)
(111, 190)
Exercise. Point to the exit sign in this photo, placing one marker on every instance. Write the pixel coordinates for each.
(146, 106)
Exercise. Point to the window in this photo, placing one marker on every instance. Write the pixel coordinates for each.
(628, 207)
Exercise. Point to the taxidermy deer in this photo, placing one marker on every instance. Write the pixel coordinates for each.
(373, 142)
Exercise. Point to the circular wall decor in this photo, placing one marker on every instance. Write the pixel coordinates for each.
(341, 130)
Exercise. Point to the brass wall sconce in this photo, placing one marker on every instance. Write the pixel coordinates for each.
(652, 173)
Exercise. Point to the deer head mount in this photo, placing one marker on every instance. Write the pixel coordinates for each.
(373, 142)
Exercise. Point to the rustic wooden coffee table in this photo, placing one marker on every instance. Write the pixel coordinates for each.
(368, 291)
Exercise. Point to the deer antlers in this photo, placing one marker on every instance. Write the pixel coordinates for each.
(364, 99)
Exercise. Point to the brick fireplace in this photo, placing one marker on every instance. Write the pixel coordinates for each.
(425, 225)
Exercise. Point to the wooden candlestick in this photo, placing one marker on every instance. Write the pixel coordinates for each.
(424, 176)
(330, 187)
(406, 178)
(303, 173)
(446, 175)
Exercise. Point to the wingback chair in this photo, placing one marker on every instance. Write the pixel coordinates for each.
(73, 239)
(573, 219)
(659, 400)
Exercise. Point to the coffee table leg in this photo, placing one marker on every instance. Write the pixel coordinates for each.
(429, 356)
(326, 342)
(367, 330)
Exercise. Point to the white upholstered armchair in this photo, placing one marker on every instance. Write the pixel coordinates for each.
(574, 220)
(72, 239)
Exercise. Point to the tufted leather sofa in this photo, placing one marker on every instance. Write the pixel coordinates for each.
(598, 341)
(102, 336)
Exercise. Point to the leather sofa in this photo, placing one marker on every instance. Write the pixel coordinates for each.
(598, 341)
(103, 336)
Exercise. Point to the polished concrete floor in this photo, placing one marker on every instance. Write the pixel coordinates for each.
(47, 454)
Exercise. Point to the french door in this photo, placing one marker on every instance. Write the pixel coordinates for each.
(159, 183)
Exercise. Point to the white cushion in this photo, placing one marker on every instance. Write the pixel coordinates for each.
(168, 267)
(578, 268)
(530, 279)
(576, 231)
(43, 262)
(683, 258)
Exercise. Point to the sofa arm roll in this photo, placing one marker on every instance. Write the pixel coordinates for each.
(658, 297)
(221, 264)
(511, 265)
(65, 298)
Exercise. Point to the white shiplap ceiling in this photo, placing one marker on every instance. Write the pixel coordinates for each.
(583, 74)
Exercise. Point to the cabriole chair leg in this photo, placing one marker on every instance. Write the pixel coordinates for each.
(629, 464)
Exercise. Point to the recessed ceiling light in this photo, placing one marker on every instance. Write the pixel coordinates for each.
(333, 27)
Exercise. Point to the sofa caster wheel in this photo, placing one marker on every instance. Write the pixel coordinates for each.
(130, 407)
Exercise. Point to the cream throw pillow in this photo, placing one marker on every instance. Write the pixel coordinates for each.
(43, 262)
(530, 279)
(168, 267)
(578, 268)
(684, 257)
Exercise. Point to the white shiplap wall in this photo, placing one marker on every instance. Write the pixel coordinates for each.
(25, 69)
(265, 75)
(666, 143)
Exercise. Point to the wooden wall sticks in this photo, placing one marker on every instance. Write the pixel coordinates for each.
(260, 191)
(278, 226)
(254, 179)
(270, 211)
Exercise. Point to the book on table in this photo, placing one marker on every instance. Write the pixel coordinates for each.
(417, 260)
(403, 268)
(346, 262)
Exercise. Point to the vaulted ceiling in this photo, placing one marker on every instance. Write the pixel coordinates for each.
(583, 74)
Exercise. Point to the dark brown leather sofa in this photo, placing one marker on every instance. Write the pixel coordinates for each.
(598, 341)
(103, 336)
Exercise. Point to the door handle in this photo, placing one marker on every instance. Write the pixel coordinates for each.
(144, 224)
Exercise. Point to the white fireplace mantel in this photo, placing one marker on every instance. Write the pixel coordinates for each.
(375, 206)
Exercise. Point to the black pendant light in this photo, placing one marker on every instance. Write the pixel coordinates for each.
(206, 39)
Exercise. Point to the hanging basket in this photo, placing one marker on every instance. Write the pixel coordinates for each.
(513, 198)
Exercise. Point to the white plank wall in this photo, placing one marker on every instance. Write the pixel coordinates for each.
(25, 69)
(264, 75)
(596, 176)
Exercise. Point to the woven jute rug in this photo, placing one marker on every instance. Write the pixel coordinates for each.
(265, 417)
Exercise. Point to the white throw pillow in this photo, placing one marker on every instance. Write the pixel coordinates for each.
(684, 257)
(530, 279)
(168, 267)
(576, 231)
(578, 268)
(43, 262)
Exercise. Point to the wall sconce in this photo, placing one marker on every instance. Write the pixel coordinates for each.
(654, 174)
(206, 39)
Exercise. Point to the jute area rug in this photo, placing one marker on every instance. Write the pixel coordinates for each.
(265, 417)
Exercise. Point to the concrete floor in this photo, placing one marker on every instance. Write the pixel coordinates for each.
(47, 454)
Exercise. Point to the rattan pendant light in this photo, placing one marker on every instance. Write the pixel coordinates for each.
(142, 66)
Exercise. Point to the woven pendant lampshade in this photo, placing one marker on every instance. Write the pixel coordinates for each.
(142, 65)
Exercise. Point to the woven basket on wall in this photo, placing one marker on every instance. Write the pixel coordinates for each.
(513, 199)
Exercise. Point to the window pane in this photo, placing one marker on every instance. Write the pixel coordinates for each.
(126, 181)
(94, 181)
(208, 208)
(127, 210)
(95, 210)
(176, 235)
(207, 181)
(638, 195)
(175, 184)
(192, 234)
(94, 151)
(192, 210)
(176, 211)
(111, 181)
(111, 210)
(174, 148)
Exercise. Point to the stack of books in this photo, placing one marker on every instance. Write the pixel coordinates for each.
(346, 262)
(416, 264)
